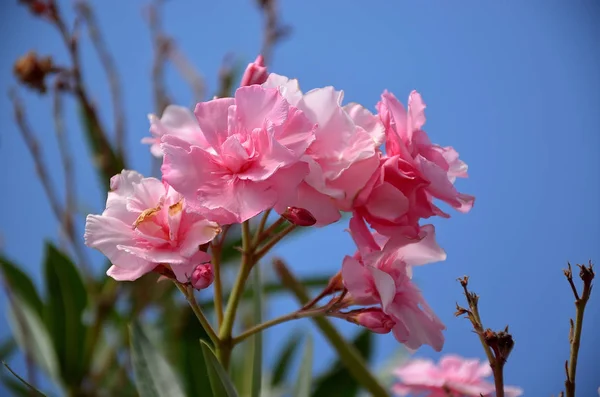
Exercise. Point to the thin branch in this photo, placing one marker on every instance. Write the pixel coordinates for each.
(109, 162)
(161, 53)
(70, 208)
(112, 75)
(42, 171)
(587, 275)
(188, 72)
(274, 31)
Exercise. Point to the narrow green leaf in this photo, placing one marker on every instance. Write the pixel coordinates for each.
(153, 375)
(16, 388)
(338, 382)
(31, 388)
(257, 359)
(219, 380)
(304, 382)
(191, 365)
(67, 300)
(32, 336)
(20, 283)
(7, 348)
(282, 365)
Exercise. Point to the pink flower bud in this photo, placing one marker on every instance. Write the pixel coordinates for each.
(299, 216)
(374, 319)
(256, 73)
(202, 276)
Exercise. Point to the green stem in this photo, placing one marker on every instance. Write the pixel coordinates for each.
(270, 230)
(261, 228)
(271, 243)
(282, 319)
(218, 291)
(348, 354)
(226, 329)
(189, 296)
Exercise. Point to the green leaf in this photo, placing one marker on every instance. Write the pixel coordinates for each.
(67, 299)
(338, 382)
(191, 365)
(219, 380)
(153, 375)
(32, 336)
(257, 356)
(304, 382)
(20, 283)
(282, 365)
(35, 391)
(7, 348)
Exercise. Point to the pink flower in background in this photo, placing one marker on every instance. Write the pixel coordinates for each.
(251, 162)
(178, 121)
(381, 276)
(439, 166)
(453, 375)
(256, 72)
(147, 223)
(344, 154)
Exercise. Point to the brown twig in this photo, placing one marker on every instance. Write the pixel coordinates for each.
(105, 157)
(161, 52)
(42, 170)
(107, 61)
(274, 31)
(586, 273)
(497, 345)
(187, 71)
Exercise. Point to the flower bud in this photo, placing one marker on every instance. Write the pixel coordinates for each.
(202, 276)
(299, 216)
(374, 319)
(31, 70)
(256, 73)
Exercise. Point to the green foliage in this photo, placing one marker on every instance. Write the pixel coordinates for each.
(31, 391)
(257, 345)
(63, 314)
(220, 382)
(153, 375)
(338, 382)
(20, 283)
(284, 359)
(304, 381)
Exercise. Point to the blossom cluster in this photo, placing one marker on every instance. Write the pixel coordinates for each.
(273, 147)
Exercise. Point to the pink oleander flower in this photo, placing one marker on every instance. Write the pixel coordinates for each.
(439, 166)
(454, 376)
(178, 121)
(344, 154)
(256, 72)
(147, 223)
(202, 276)
(251, 160)
(411, 174)
(380, 275)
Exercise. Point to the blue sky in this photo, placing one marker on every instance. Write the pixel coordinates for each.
(513, 86)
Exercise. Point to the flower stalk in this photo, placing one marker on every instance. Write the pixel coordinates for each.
(586, 274)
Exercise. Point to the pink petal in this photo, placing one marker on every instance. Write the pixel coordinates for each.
(200, 233)
(356, 280)
(385, 286)
(255, 104)
(129, 274)
(212, 119)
